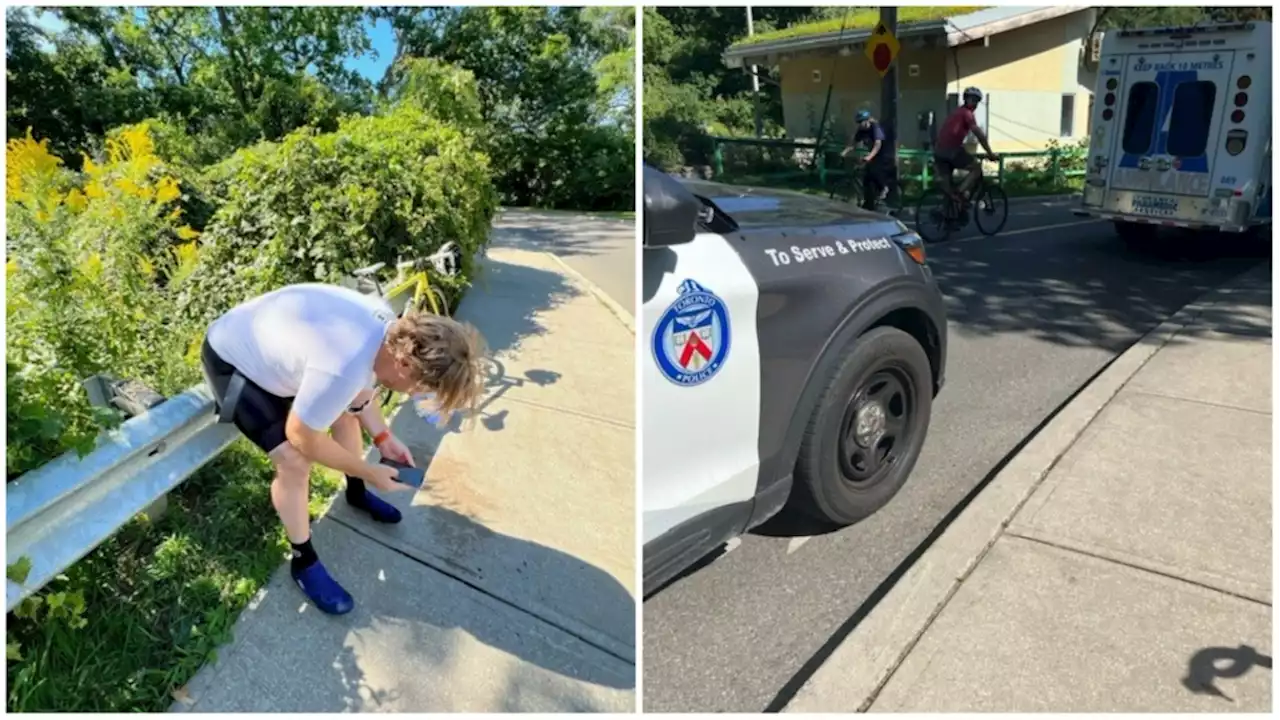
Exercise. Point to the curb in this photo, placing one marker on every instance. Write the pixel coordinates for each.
(851, 678)
(628, 320)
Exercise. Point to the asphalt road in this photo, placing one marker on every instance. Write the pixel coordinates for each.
(1034, 313)
(600, 247)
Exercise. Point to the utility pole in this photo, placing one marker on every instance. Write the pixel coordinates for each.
(889, 95)
(755, 82)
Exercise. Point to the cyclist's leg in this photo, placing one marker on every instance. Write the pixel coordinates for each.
(869, 190)
(877, 185)
(972, 166)
(944, 165)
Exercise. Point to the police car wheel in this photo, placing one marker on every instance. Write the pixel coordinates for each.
(864, 437)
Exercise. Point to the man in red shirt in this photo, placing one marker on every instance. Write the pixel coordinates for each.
(950, 155)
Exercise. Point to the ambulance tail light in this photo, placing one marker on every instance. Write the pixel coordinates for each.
(1236, 141)
(912, 244)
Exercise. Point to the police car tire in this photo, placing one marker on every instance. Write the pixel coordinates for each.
(820, 490)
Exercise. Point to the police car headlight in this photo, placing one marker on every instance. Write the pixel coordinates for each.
(912, 244)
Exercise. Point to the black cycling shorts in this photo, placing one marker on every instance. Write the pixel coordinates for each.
(953, 159)
(259, 414)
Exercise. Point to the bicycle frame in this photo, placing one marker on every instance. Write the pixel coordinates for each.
(421, 286)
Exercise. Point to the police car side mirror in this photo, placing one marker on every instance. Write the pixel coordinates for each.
(670, 210)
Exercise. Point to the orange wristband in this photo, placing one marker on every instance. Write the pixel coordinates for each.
(381, 437)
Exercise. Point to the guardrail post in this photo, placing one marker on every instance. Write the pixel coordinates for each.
(1053, 166)
(822, 166)
(717, 158)
(134, 399)
(1000, 169)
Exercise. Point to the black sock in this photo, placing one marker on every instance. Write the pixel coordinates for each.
(355, 492)
(304, 556)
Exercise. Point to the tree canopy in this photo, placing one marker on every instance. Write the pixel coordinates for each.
(554, 84)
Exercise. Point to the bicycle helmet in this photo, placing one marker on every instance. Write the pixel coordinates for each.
(863, 116)
(973, 92)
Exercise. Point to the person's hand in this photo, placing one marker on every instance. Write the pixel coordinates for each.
(864, 160)
(993, 157)
(393, 449)
(384, 477)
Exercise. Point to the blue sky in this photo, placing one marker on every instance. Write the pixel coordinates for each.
(371, 65)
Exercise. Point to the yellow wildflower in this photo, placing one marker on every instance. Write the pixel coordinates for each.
(167, 189)
(148, 268)
(187, 233)
(76, 200)
(92, 266)
(28, 163)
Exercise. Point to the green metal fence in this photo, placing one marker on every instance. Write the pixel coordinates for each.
(807, 166)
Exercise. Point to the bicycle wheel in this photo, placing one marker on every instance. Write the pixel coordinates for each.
(990, 209)
(442, 301)
(932, 216)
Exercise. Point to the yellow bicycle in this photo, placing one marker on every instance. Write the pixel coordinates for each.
(412, 275)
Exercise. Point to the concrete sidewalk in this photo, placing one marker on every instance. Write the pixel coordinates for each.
(510, 583)
(1121, 562)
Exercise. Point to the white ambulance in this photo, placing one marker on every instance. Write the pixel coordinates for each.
(1182, 130)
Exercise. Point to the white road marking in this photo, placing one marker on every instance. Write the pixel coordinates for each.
(1020, 231)
(732, 544)
(796, 542)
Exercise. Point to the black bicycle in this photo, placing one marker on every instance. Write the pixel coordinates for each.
(851, 191)
(938, 214)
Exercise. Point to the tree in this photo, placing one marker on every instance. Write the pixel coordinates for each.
(553, 140)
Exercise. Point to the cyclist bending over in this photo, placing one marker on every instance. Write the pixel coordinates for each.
(879, 174)
(950, 154)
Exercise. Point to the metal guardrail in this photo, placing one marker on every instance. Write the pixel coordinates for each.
(60, 511)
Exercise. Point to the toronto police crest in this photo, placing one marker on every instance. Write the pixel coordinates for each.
(692, 338)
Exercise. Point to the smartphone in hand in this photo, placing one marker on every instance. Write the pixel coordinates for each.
(408, 475)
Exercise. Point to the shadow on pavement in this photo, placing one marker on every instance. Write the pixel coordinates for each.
(465, 540)
(507, 298)
(1101, 294)
(1206, 666)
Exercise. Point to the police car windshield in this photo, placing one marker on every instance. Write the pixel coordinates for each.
(715, 219)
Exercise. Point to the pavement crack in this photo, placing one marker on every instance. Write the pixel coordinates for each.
(1132, 565)
(578, 413)
(1198, 401)
(459, 576)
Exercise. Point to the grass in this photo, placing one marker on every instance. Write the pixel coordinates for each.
(160, 597)
(860, 19)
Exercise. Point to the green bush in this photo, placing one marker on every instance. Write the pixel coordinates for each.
(314, 207)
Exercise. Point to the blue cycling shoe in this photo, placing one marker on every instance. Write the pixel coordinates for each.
(322, 590)
(379, 509)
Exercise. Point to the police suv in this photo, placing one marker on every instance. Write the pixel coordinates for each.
(792, 350)
(1182, 130)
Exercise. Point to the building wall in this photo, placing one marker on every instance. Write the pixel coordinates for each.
(1025, 73)
(857, 86)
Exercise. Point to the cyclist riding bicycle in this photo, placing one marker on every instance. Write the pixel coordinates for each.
(950, 154)
(879, 173)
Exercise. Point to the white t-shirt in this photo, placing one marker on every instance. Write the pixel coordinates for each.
(311, 342)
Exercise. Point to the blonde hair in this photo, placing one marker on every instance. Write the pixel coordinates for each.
(444, 356)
